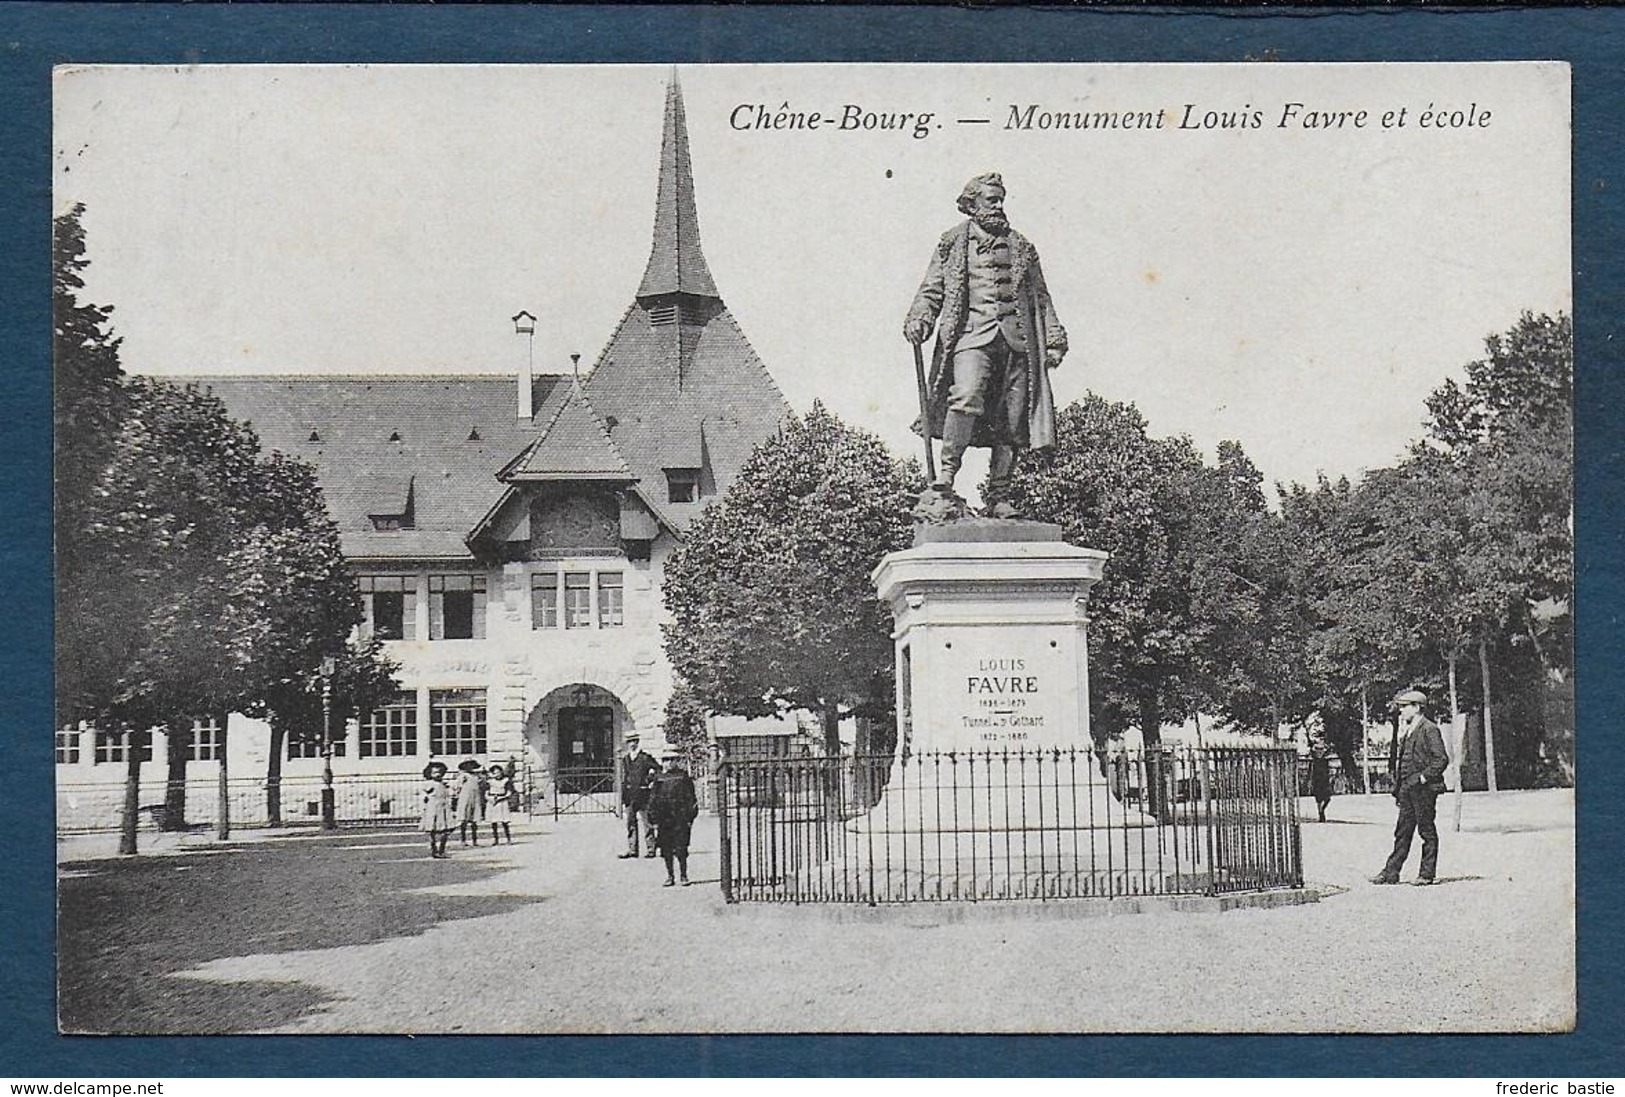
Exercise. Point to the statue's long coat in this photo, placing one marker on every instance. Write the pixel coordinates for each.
(942, 299)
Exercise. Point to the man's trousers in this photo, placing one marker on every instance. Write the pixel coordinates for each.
(1416, 810)
(637, 821)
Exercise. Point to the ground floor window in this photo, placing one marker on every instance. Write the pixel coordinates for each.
(207, 740)
(310, 746)
(114, 746)
(391, 731)
(456, 721)
(67, 746)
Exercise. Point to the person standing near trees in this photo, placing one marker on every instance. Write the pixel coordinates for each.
(997, 339)
(673, 806)
(1419, 765)
(638, 771)
(1320, 780)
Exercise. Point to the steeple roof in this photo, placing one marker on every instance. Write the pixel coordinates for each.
(676, 263)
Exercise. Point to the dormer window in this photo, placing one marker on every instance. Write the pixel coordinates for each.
(682, 485)
(389, 502)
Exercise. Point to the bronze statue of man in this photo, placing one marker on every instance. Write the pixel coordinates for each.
(997, 340)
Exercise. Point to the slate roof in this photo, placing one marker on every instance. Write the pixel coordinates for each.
(454, 432)
(677, 386)
(574, 445)
(671, 390)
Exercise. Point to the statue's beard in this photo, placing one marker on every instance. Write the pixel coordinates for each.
(996, 223)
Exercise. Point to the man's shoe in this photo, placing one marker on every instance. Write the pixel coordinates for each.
(1003, 510)
(1423, 881)
(649, 856)
(625, 856)
(669, 884)
(1380, 879)
(686, 881)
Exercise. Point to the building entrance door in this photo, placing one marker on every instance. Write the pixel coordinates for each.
(586, 750)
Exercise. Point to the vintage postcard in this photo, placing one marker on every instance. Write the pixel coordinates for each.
(506, 587)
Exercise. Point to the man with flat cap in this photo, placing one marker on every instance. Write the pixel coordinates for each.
(1419, 765)
(997, 340)
(638, 772)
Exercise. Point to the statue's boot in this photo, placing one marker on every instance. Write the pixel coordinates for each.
(956, 434)
(998, 484)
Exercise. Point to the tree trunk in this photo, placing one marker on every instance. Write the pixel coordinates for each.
(1365, 738)
(132, 792)
(1156, 804)
(1552, 673)
(222, 810)
(832, 729)
(273, 775)
(177, 746)
(1455, 742)
(1489, 725)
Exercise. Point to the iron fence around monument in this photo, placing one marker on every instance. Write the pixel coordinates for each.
(1042, 824)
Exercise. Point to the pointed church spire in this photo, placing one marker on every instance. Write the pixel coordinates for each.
(676, 263)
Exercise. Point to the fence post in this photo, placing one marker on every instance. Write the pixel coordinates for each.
(725, 840)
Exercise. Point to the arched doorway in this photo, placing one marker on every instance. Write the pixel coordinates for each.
(574, 734)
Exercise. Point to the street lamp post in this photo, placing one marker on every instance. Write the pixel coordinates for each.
(329, 814)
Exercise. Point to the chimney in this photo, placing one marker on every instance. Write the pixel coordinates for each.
(525, 324)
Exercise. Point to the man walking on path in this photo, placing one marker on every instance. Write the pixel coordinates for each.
(638, 772)
(1420, 762)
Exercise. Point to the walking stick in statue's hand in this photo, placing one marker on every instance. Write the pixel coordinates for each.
(925, 413)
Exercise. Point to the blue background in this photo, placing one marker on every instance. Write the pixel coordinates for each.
(34, 37)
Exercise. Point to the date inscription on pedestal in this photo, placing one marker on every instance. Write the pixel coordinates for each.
(1001, 695)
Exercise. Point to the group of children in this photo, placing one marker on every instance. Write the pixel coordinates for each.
(487, 794)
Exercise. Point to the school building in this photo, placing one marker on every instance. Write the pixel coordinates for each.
(508, 535)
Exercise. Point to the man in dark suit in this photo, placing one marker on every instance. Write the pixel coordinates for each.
(638, 772)
(1419, 765)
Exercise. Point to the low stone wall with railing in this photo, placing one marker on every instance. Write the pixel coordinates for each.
(1009, 824)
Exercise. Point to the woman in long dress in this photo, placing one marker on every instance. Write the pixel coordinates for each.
(436, 808)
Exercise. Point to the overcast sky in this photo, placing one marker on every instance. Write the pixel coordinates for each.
(1298, 289)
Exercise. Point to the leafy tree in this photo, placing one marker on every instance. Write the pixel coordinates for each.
(685, 726)
(1507, 435)
(769, 594)
(1110, 486)
(1335, 542)
(87, 406)
(195, 576)
(1252, 664)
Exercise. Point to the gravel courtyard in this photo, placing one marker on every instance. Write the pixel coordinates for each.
(362, 932)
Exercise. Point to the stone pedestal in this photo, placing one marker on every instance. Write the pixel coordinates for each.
(996, 791)
(992, 647)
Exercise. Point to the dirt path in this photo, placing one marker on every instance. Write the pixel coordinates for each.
(574, 940)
